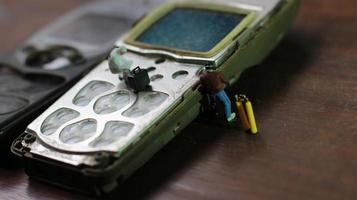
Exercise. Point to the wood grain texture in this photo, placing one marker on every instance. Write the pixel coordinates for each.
(305, 97)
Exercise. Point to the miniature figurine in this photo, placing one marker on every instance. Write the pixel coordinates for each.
(117, 63)
(137, 79)
(214, 83)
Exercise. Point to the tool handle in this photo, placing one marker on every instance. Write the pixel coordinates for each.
(251, 117)
(242, 115)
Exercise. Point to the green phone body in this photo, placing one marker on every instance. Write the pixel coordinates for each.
(98, 169)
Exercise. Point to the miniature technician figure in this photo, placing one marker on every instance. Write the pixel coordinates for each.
(117, 63)
(215, 84)
(136, 79)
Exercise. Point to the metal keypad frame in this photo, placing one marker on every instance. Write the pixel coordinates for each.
(171, 84)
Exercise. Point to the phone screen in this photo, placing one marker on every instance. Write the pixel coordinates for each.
(191, 29)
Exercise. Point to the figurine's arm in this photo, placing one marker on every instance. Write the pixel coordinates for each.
(221, 77)
(117, 63)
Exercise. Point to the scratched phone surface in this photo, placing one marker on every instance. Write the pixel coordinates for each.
(101, 114)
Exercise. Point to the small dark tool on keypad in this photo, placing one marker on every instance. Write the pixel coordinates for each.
(137, 79)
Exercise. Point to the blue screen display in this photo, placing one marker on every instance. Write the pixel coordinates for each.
(191, 29)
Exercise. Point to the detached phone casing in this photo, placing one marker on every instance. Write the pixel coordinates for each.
(47, 64)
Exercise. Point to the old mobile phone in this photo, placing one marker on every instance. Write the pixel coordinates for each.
(42, 68)
(100, 131)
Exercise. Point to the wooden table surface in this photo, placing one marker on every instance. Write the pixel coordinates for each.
(305, 97)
